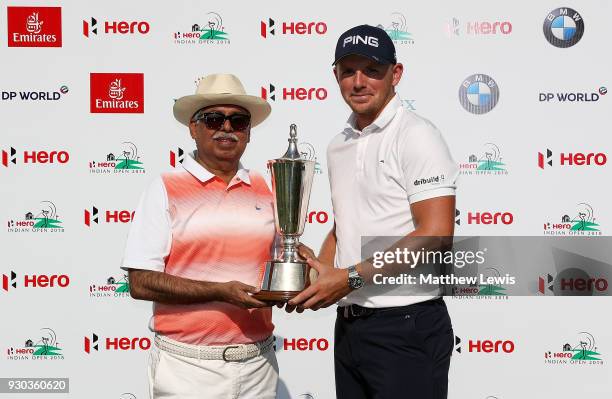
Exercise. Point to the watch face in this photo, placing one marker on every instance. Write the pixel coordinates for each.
(355, 282)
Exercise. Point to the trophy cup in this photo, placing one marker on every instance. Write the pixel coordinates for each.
(288, 274)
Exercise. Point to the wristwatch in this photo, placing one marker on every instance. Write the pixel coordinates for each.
(355, 281)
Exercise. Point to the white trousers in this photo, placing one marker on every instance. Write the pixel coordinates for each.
(178, 377)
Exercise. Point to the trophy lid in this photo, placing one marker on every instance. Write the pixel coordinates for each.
(292, 151)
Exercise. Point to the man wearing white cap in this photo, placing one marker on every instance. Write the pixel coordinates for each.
(196, 248)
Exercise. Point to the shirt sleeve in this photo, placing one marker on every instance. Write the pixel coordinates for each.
(427, 165)
(150, 236)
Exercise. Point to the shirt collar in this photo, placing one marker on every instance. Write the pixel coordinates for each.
(202, 174)
(380, 122)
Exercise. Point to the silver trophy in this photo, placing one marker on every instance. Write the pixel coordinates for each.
(288, 274)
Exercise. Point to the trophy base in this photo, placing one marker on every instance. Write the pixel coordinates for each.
(283, 280)
(275, 296)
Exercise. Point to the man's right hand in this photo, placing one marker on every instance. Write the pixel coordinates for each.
(237, 293)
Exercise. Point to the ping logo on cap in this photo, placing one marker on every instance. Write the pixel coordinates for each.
(356, 39)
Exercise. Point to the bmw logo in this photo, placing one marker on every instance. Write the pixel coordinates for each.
(478, 93)
(563, 27)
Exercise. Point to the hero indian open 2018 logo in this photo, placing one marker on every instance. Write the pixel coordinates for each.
(46, 347)
(115, 287)
(44, 221)
(488, 162)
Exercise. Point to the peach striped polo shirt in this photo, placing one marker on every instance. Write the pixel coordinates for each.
(215, 232)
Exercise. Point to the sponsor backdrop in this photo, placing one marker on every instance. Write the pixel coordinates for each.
(520, 94)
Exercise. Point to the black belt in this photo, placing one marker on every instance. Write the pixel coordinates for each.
(355, 311)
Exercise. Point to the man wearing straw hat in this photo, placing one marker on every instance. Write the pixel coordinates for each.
(196, 248)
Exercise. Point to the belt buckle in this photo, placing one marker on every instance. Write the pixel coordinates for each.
(360, 311)
(226, 349)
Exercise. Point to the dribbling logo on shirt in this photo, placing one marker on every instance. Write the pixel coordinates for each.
(479, 93)
(563, 27)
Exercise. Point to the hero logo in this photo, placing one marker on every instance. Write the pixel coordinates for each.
(486, 346)
(572, 159)
(123, 216)
(485, 217)
(117, 93)
(35, 281)
(177, 157)
(371, 41)
(34, 26)
(320, 217)
(116, 27)
(453, 28)
(10, 157)
(489, 28)
(116, 343)
(304, 344)
(9, 281)
(294, 93)
(572, 281)
(574, 96)
(292, 28)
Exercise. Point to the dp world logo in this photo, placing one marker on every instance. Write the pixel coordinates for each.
(479, 93)
(563, 27)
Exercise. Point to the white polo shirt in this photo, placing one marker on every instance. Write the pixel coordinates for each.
(375, 175)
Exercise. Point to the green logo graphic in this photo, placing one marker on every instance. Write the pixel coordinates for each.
(47, 218)
(126, 163)
(585, 349)
(47, 223)
(492, 289)
(490, 164)
(584, 220)
(122, 285)
(214, 29)
(490, 160)
(46, 350)
(585, 354)
(47, 345)
(397, 28)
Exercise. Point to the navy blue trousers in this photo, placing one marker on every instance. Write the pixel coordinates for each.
(395, 353)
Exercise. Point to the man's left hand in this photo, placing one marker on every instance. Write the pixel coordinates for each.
(331, 285)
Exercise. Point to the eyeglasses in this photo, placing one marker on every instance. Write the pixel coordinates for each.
(215, 120)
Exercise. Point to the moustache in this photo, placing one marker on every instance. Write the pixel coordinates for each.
(225, 135)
